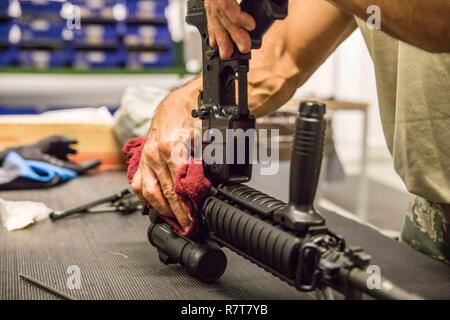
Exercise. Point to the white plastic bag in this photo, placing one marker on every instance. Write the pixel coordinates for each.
(136, 111)
(20, 214)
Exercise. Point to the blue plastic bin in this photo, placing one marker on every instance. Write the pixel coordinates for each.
(97, 34)
(8, 56)
(95, 8)
(91, 59)
(5, 27)
(40, 7)
(149, 59)
(41, 29)
(145, 34)
(4, 5)
(41, 58)
(146, 9)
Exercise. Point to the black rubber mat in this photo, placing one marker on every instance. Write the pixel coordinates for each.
(116, 261)
(113, 254)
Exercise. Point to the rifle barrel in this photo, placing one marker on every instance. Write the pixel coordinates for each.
(385, 290)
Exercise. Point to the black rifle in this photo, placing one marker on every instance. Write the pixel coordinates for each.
(290, 240)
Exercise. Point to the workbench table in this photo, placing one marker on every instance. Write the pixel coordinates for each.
(117, 262)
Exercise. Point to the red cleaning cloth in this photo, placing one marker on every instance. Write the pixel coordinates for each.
(190, 185)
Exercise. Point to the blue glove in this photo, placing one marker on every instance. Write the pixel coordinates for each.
(37, 170)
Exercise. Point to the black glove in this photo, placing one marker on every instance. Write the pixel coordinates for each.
(54, 150)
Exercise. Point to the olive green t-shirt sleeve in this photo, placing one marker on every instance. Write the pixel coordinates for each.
(414, 99)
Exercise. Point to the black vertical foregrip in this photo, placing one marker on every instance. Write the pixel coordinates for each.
(265, 12)
(306, 158)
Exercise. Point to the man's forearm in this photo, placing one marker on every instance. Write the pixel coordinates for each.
(292, 50)
(424, 24)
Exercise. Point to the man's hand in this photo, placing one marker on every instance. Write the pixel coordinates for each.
(227, 23)
(155, 177)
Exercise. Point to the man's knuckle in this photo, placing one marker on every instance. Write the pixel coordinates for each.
(169, 194)
(241, 37)
(149, 195)
(234, 19)
(236, 32)
(151, 151)
(222, 38)
(137, 188)
(171, 163)
(165, 147)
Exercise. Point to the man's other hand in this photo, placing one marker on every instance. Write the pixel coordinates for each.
(154, 180)
(227, 23)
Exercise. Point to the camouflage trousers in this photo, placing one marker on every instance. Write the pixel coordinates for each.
(426, 229)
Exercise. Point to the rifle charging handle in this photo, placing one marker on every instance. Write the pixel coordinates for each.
(306, 160)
